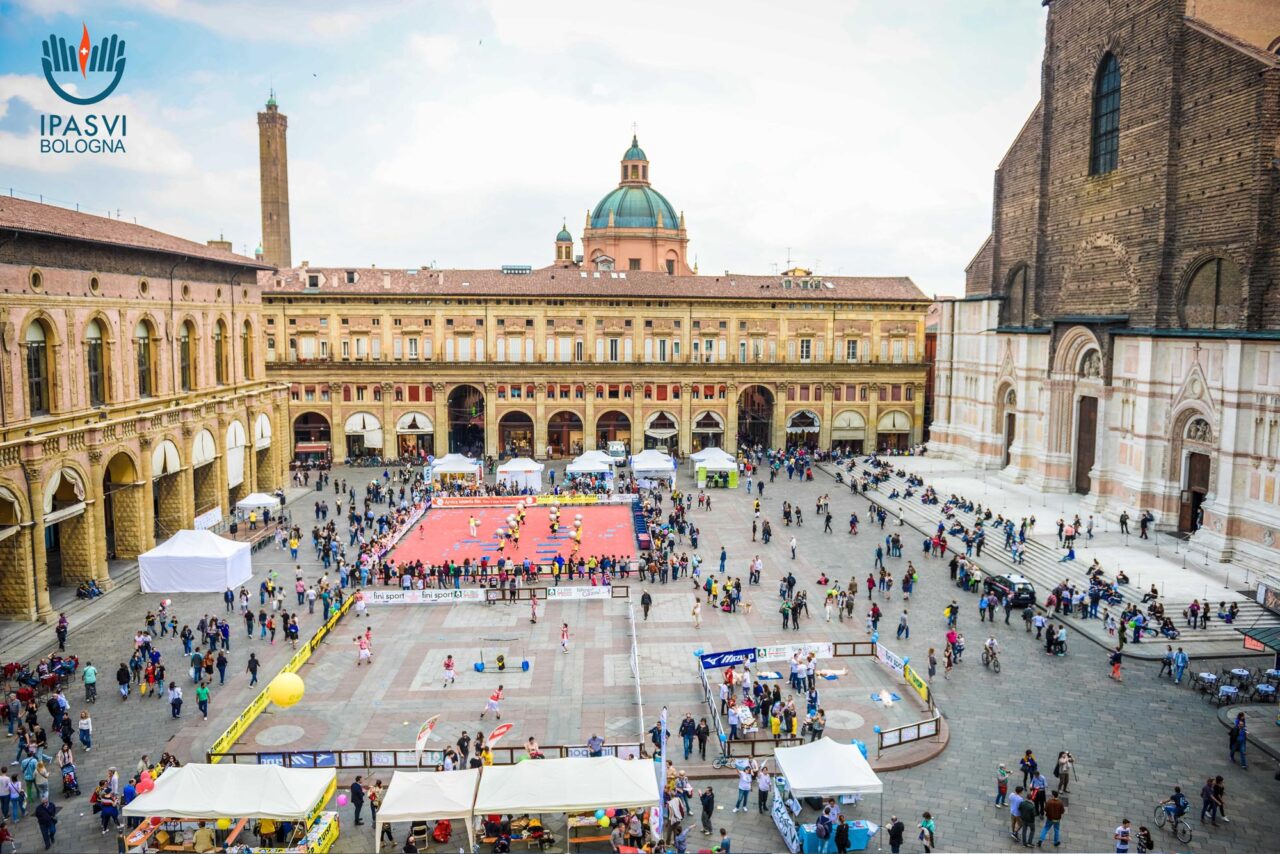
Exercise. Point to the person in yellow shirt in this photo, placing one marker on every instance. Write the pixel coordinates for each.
(486, 756)
(204, 840)
(267, 831)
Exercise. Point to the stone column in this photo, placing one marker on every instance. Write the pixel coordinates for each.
(441, 416)
(684, 442)
(337, 424)
(186, 480)
(97, 507)
(148, 485)
(873, 417)
(39, 558)
(540, 419)
(390, 441)
(490, 420)
(731, 419)
(778, 430)
(917, 420)
(589, 419)
(828, 401)
(637, 420)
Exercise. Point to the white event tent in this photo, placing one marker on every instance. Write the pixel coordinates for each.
(199, 791)
(592, 462)
(257, 501)
(566, 786)
(827, 768)
(195, 562)
(653, 465)
(713, 459)
(429, 796)
(522, 473)
(456, 465)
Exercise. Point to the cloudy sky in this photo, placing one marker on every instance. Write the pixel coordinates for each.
(858, 136)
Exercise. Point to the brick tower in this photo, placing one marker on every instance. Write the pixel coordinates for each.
(273, 171)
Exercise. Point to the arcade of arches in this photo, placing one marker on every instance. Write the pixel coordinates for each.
(551, 420)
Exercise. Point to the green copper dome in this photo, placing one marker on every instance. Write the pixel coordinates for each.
(564, 235)
(634, 207)
(635, 152)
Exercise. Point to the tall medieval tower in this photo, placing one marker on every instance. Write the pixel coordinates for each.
(273, 172)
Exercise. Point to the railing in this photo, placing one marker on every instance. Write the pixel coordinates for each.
(754, 748)
(635, 667)
(375, 758)
(848, 649)
(907, 733)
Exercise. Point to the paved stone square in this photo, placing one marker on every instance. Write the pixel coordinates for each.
(1132, 741)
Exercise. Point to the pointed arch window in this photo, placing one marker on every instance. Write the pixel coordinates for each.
(95, 364)
(37, 358)
(1104, 151)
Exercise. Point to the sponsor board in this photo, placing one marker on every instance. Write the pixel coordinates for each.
(890, 659)
(423, 597)
(913, 679)
(579, 592)
(207, 519)
(784, 651)
(732, 658)
(477, 500)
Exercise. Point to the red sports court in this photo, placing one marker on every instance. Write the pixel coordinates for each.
(444, 535)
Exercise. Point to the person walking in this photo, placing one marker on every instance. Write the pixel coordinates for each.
(646, 602)
(202, 699)
(928, 832)
(1116, 657)
(47, 818)
(1208, 802)
(1239, 737)
(904, 630)
(1054, 809)
(252, 669)
(1027, 820)
(492, 704)
(745, 780)
(175, 699)
(708, 801)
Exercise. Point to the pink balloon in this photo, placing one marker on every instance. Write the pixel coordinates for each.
(342, 800)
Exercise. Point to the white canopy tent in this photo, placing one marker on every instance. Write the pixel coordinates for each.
(567, 786)
(257, 501)
(454, 465)
(198, 791)
(592, 462)
(827, 767)
(429, 796)
(522, 472)
(714, 459)
(653, 465)
(194, 562)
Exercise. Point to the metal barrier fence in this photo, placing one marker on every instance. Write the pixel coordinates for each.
(635, 667)
(907, 733)
(375, 758)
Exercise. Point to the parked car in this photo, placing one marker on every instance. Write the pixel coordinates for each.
(1018, 587)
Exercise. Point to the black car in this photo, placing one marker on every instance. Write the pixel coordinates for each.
(1018, 588)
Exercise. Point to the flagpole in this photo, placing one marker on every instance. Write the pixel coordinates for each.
(661, 772)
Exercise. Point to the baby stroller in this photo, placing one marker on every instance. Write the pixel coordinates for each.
(70, 785)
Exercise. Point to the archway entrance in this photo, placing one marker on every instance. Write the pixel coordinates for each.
(466, 421)
(613, 426)
(311, 437)
(802, 429)
(17, 597)
(237, 448)
(564, 434)
(1193, 493)
(849, 431)
(204, 478)
(264, 463)
(708, 431)
(122, 508)
(755, 416)
(364, 435)
(661, 432)
(1086, 442)
(515, 435)
(68, 538)
(415, 433)
(893, 432)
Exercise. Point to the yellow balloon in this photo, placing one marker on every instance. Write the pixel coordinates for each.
(224, 824)
(286, 689)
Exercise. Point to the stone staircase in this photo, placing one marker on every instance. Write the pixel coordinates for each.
(1043, 568)
(24, 640)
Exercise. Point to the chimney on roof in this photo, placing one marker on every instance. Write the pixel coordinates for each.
(224, 245)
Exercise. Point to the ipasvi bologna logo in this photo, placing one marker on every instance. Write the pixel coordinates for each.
(99, 68)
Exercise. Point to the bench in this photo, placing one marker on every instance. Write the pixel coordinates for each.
(580, 840)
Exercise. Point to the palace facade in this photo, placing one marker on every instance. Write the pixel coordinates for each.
(622, 342)
(133, 395)
(1120, 332)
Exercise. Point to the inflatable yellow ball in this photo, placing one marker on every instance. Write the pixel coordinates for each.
(286, 689)
(224, 824)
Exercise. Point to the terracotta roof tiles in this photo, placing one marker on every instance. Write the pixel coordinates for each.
(53, 221)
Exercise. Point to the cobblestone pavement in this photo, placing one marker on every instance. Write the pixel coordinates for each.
(1133, 741)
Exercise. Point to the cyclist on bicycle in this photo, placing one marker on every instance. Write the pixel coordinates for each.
(992, 647)
(1177, 804)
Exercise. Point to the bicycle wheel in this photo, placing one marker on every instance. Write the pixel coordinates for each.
(1161, 816)
(995, 665)
(1184, 832)
(986, 657)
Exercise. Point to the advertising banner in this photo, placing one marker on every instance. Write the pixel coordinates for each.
(914, 680)
(423, 597)
(732, 658)
(890, 659)
(478, 500)
(579, 592)
(784, 651)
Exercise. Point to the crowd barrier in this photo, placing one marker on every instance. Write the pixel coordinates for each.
(450, 595)
(907, 733)
(232, 734)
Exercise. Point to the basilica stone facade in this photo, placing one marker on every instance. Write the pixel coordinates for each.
(1119, 336)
